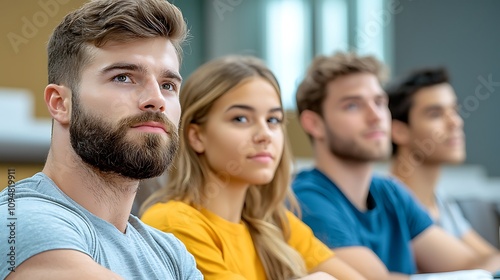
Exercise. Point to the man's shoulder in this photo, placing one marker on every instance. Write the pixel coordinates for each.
(147, 231)
(38, 196)
(171, 252)
(386, 183)
(390, 190)
(41, 220)
(393, 192)
(37, 205)
(24, 187)
(309, 178)
(36, 186)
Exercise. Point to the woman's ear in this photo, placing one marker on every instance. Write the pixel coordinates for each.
(196, 139)
(400, 133)
(58, 101)
(312, 124)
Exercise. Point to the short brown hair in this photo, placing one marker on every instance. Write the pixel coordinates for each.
(100, 21)
(311, 92)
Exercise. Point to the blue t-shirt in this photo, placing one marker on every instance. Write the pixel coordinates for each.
(42, 218)
(392, 220)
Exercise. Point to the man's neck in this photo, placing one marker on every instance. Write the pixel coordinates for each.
(108, 196)
(421, 178)
(353, 178)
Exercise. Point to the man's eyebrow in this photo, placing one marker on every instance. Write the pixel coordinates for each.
(350, 97)
(432, 107)
(172, 75)
(139, 68)
(361, 97)
(123, 66)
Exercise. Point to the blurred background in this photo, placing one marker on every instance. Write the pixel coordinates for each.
(461, 35)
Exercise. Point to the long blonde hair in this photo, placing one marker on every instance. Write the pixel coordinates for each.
(264, 210)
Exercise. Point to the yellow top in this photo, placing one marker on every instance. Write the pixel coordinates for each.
(224, 250)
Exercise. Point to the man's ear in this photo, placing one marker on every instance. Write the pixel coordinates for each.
(400, 133)
(196, 139)
(58, 100)
(312, 124)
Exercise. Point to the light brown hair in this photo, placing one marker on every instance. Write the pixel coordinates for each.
(312, 91)
(100, 21)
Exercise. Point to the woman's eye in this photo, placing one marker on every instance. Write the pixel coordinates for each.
(275, 120)
(240, 119)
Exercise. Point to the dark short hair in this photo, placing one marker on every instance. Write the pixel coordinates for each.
(401, 92)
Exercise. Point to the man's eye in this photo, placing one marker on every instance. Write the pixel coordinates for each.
(122, 79)
(352, 106)
(381, 102)
(434, 114)
(168, 86)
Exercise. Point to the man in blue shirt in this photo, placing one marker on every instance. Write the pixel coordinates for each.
(373, 223)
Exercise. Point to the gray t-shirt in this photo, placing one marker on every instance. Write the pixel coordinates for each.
(41, 218)
(451, 218)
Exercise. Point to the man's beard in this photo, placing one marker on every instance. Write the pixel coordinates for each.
(352, 151)
(104, 146)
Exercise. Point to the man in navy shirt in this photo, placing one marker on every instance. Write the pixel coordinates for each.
(373, 223)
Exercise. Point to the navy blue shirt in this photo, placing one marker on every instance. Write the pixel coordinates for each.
(392, 220)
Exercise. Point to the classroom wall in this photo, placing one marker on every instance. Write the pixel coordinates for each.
(456, 33)
(463, 36)
(24, 31)
(235, 27)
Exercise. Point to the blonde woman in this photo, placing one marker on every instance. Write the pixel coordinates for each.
(225, 197)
